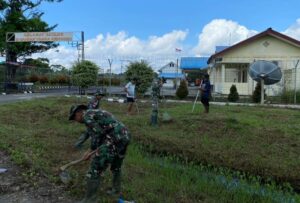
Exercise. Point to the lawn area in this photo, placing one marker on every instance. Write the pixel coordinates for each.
(195, 158)
(255, 140)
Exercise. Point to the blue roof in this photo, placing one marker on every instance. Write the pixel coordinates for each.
(220, 48)
(171, 75)
(193, 63)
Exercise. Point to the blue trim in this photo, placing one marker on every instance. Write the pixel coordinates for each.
(193, 63)
(171, 75)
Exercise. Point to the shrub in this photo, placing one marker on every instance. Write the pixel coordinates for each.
(233, 95)
(43, 79)
(182, 91)
(62, 79)
(115, 81)
(105, 81)
(33, 78)
(53, 80)
(256, 97)
(287, 96)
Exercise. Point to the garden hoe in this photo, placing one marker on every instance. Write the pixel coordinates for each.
(64, 175)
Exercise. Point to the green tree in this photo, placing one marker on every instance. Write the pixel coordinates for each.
(41, 65)
(84, 74)
(22, 16)
(143, 73)
(182, 91)
(233, 95)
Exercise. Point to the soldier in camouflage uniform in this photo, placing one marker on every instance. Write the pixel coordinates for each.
(156, 86)
(95, 101)
(92, 104)
(110, 138)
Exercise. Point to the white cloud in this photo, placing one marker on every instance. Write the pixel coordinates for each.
(221, 32)
(60, 55)
(119, 46)
(294, 30)
(158, 50)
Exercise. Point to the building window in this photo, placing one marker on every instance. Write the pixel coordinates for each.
(236, 74)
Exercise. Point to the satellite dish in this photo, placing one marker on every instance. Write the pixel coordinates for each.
(266, 72)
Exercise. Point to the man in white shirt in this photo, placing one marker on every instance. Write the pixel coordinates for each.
(130, 94)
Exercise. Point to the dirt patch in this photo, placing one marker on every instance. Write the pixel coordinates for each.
(15, 189)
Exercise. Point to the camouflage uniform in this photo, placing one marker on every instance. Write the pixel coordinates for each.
(110, 137)
(156, 85)
(94, 103)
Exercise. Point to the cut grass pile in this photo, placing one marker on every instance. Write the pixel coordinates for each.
(39, 137)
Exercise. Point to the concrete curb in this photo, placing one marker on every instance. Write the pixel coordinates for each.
(282, 106)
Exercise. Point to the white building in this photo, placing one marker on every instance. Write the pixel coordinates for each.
(231, 65)
(171, 72)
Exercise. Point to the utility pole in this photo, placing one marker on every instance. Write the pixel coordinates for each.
(110, 63)
(82, 44)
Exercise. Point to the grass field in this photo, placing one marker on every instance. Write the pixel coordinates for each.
(234, 154)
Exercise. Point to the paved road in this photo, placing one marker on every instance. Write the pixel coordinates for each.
(8, 98)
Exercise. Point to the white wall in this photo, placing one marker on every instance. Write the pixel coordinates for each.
(266, 48)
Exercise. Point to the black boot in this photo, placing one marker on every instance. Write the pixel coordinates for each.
(91, 191)
(116, 183)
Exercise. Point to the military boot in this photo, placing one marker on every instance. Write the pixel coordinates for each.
(116, 184)
(91, 191)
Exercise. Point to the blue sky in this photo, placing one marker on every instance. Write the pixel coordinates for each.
(129, 27)
(144, 18)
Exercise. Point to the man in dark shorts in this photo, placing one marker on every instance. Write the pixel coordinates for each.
(130, 94)
(205, 92)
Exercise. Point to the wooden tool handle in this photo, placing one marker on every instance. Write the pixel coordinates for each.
(64, 167)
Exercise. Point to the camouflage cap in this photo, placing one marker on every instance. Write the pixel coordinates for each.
(76, 108)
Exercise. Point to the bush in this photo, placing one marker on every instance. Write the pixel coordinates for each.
(256, 97)
(182, 91)
(33, 78)
(43, 79)
(287, 96)
(105, 81)
(115, 82)
(233, 95)
(53, 80)
(62, 79)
